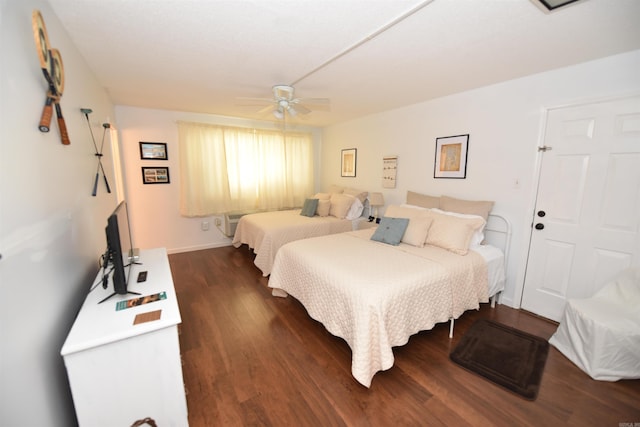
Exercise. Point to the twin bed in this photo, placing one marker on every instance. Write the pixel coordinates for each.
(375, 292)
(338, 210)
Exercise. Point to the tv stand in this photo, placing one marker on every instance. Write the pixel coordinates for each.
(120, 372)
(115, 293)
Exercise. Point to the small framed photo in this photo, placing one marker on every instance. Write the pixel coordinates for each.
(451, 157)
(153, 151)
(349, 157)
(155, 175)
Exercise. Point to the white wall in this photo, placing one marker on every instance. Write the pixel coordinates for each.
(155, 208)
(51, 229)
(504, 122)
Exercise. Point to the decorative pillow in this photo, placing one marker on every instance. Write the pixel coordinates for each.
(322, 196)
(355, 210)
(323, 207)
(335, 189)
(390, 230)
(340, 204)
(453, 233)
(419, 223)
(309, 208)
(478, 236)
(480, 208)
(358, 194)
(423, 200)
(417, 231)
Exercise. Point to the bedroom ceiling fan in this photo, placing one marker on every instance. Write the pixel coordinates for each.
(284, 102)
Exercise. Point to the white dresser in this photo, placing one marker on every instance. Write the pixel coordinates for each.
(119, 371)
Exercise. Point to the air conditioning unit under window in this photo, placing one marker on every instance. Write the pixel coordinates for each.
(231, 221)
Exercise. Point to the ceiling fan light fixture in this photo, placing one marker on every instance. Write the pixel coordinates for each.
(283, 103)
(283, 92)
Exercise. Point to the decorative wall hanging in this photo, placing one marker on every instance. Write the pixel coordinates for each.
(451, 157)
(53, 70)
(153, 151)
(155, 175)
(98, 154)
(349, 159)
(389, 169)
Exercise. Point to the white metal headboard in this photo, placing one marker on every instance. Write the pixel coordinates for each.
(498, 233)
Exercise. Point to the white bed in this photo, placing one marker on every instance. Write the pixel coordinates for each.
(336, 211)
(375, 295)
(266, 232)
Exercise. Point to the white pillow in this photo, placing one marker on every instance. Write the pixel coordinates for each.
(419, 223)
(478, 236)
(322, 196)
(355, 210)
(362, 195)
(453, 233)
(323, 207)
(406, 205)
(335, 189)
(340, 204)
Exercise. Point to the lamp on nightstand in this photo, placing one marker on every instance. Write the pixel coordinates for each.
(375, 200)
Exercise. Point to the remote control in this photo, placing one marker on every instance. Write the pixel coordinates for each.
(142, 276)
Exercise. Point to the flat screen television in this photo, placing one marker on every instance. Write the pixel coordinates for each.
(120, 251)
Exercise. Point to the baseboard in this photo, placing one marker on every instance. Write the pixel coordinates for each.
(198, 248)
(507, 301)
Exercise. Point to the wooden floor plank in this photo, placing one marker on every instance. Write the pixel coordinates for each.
(253, 359)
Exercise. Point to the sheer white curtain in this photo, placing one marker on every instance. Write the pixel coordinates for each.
(226, 169)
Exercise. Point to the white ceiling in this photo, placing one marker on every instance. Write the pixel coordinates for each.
(201, 55)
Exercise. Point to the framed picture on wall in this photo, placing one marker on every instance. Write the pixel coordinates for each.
(451, 157)
(155, 175)
(349, 162)
(153, 151)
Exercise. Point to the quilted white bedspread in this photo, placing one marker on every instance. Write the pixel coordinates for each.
(375, 295)
(266, 232)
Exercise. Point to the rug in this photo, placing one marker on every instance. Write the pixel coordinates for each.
(504, 355)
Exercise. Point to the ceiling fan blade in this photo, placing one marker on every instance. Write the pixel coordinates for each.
(321, 104)
(314, 101)
(265, 110)
(253, 101)
(317, 107)
(299, 108)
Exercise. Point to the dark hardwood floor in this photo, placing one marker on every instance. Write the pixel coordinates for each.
(250, 359)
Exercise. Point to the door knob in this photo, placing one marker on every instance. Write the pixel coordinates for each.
(539, 226)
(541, 213)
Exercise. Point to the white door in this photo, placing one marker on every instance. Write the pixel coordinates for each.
(586, 225)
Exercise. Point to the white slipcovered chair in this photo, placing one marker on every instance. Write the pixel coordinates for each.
(601, 334)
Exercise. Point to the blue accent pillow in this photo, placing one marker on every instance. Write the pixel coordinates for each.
(309, 208)
(390, 230)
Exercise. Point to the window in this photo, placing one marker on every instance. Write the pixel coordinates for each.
(225, 169)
